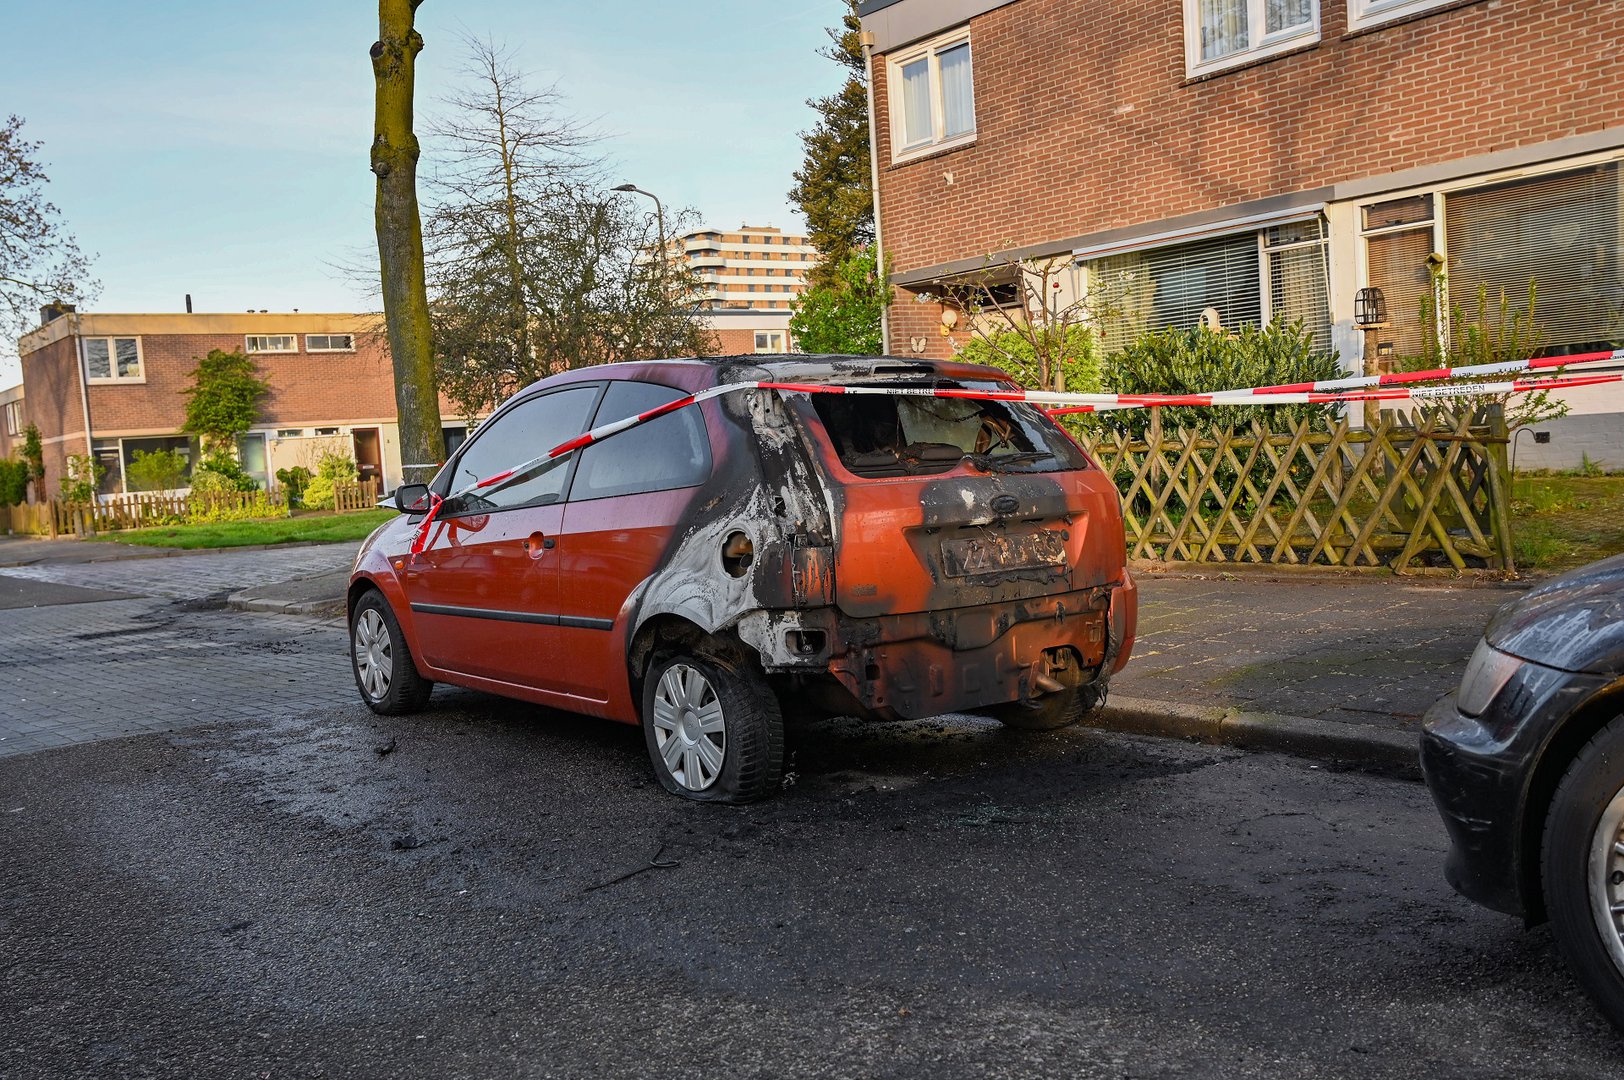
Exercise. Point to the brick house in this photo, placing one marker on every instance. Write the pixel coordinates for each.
(113, 384)
(1261, 159)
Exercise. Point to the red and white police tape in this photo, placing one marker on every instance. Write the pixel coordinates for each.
(1331, 391)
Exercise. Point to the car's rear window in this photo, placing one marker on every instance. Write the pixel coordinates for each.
(881, 436)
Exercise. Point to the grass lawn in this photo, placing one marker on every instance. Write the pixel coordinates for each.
(1560, 522)
(225, 534)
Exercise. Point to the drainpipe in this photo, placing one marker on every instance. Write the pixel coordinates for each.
(874, 181)
(84, 388)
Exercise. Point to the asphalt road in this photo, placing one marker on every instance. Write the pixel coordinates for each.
(274, 897)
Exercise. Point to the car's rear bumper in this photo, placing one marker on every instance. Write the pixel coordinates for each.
(927, 663)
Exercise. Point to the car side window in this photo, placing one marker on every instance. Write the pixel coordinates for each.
(669, 452)
(527, 430)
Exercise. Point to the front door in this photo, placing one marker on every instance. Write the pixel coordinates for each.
(484, 591)
(368, 455)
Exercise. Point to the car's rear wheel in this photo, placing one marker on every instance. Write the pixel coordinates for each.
(384, 672)
(1582, 868)
(713, 728)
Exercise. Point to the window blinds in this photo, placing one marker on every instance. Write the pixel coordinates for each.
(1299, 289)
(1565, 233)
(1172, 286)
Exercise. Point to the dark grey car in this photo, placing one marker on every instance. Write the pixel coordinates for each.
(1526, 764)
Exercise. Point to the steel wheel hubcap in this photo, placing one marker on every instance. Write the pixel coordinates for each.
(690, 732)
(1606, 874)
(373, 659)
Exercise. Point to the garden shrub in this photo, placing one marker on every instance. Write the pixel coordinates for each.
(232, 505)
(84, 476)
(13, 481)
(155, 470)
(332, 468)
(1200, 360)
(294, 481)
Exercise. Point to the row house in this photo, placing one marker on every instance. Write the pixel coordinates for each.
(112, 385)
(1243, 160)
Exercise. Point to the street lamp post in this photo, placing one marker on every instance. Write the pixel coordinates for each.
(659, 222)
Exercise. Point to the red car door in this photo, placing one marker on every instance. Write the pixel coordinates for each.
(484, 591)
(626, 498)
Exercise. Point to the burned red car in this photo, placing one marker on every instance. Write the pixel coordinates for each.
(762, 551)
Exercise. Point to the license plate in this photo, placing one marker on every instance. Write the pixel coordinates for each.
(996, 554)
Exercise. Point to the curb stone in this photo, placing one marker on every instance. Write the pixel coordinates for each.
(174, 553)
(1380, 749)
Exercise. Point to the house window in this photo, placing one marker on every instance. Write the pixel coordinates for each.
(770, 341)
(271, 343)
(329, 343)
(1220, 34)
(327, 431)
(1398, 239)
(933, 96)
(1223, 282)
(1560, 233)
(14, 418)
(290, 433)
(1367, 13)
(113, 359)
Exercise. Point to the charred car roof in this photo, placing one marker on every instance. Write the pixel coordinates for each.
(697, 373)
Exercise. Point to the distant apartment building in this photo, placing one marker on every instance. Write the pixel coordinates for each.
(112, 385)
(748, 277)
(1249, 160)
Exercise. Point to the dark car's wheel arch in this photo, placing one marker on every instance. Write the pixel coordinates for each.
(1571, 736)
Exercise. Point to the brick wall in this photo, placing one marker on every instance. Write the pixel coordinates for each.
(1085, 121)
(305, 387)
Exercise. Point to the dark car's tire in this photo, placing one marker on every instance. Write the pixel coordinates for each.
(1582, 868)
(1061, 709)
(384, 672)
(713, 728)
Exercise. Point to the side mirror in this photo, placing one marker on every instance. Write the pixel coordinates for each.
(412, 498)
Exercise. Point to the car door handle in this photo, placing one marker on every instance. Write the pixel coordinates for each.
(537, 544)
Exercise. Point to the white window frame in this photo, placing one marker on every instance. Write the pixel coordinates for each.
(1364, 14)
(14, 417)
(248, 343)
(932, 50)
(112, 360)
(777, 342)
(1259, 44)
(312, 349)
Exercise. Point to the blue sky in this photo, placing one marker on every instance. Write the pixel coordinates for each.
(220, 149)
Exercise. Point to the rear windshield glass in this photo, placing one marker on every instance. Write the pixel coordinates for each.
(879, 436)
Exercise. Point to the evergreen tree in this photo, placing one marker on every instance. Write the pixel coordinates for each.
(832, 186)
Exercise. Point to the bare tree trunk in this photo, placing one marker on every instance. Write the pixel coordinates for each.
(400, 239)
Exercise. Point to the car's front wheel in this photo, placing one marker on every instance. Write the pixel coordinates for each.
(713, 728)
(1582, 868)
(384, 672)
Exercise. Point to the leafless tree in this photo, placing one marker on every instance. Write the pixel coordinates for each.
(40, 262)
(1025, 316)
(534, 267)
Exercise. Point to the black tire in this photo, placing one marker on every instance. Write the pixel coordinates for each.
(1591, 794)
(384, 672)
(751, 749)
(1051, 712)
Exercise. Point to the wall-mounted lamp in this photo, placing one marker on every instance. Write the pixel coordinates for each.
(1370, 307)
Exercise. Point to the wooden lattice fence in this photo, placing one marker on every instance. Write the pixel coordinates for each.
(350, 497)
(1429, 487)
